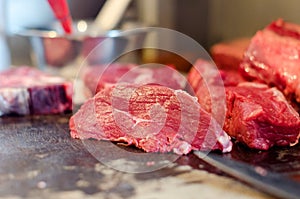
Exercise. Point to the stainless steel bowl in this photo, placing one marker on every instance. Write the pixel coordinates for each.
(53, 50)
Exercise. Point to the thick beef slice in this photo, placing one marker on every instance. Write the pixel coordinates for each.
(273, 57)
(256, 115)
(51, 99)
(25, 90)
(151, 117)
(228, 55)
(99, 77)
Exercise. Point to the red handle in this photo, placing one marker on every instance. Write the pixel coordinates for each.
(62, 13)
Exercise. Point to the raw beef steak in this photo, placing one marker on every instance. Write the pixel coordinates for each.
(273, 57)
(151, 117)
(25, 90)
(256, 115)
(99, 77)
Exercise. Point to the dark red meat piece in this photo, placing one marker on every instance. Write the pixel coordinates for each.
(273, 57)
(25, 90)
(256, 115)
(151, 117)
(260, 116)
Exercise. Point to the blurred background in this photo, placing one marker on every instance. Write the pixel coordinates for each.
(206, 21)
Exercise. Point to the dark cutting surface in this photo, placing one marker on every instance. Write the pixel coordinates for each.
(37, 154)
(285, 161)
(275, 172)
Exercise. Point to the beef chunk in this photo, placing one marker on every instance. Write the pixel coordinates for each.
(152, 117)
(260, 116)
(25, 90)
(273, 57)
(256, 115)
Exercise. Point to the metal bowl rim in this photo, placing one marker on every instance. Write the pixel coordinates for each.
(54, 34)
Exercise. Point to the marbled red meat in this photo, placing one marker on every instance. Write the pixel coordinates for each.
(25, 90)
(273, 57)
(151, 117)
(256, 115)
